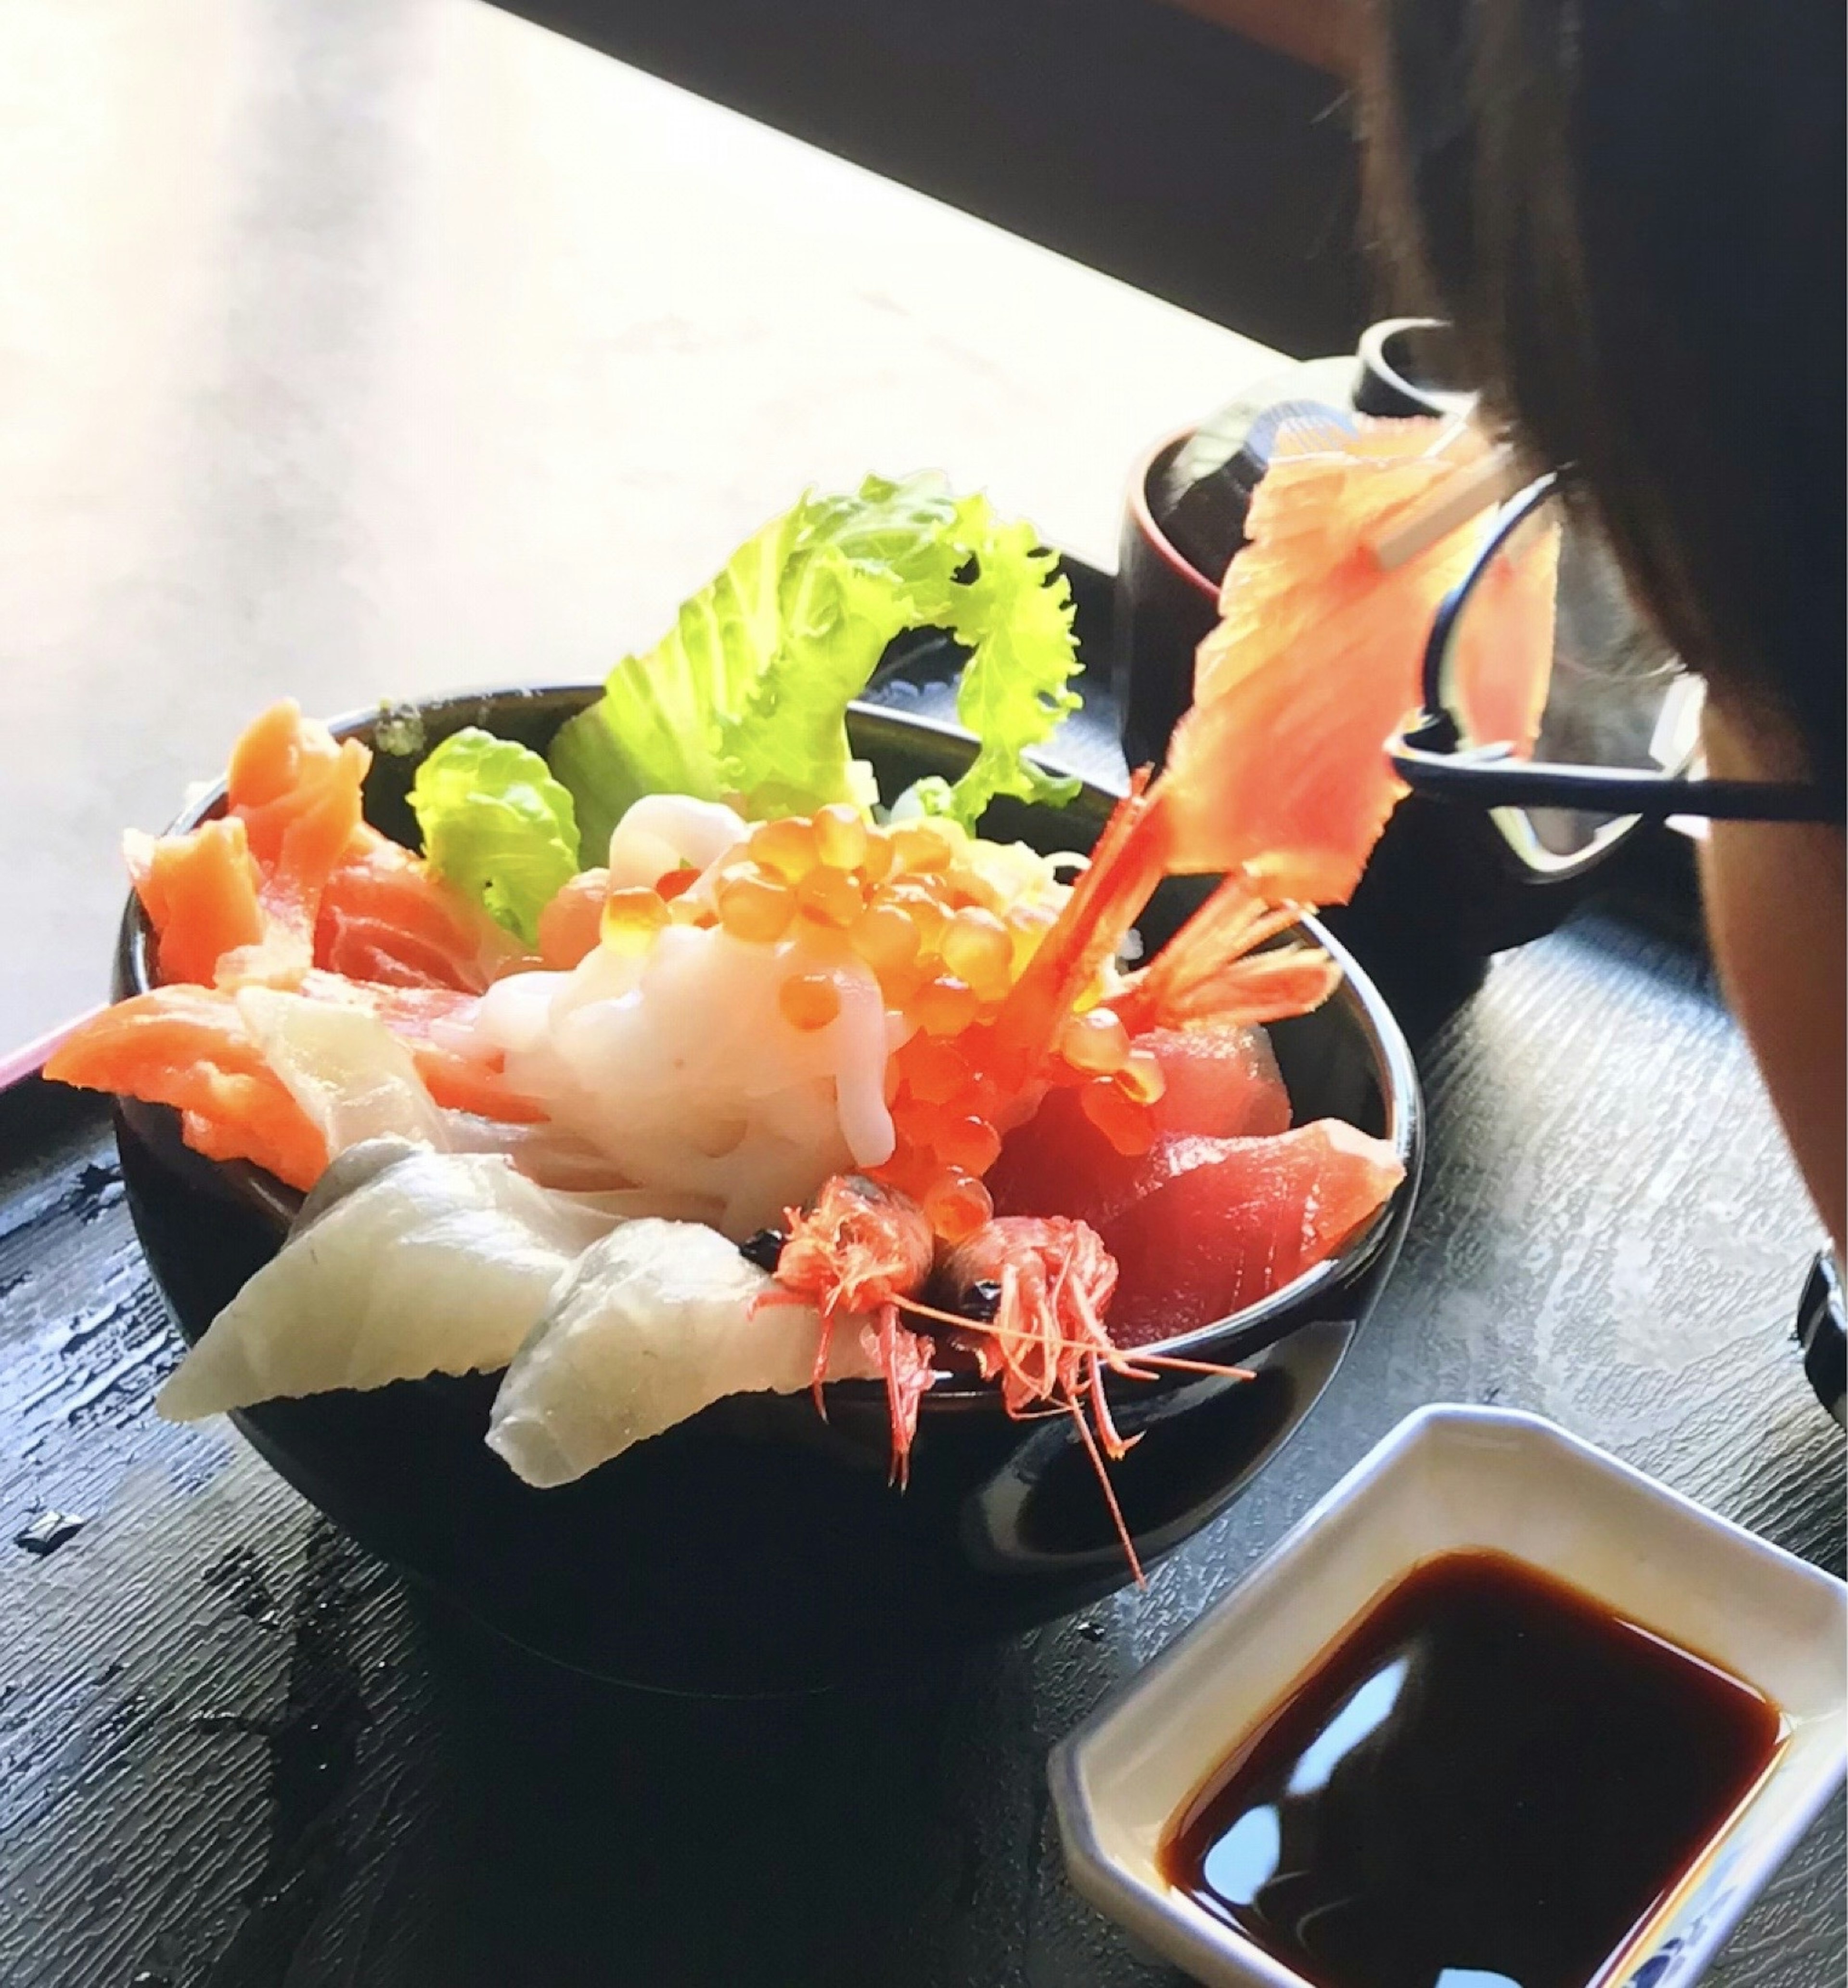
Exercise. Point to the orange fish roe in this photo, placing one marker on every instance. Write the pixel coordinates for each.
(945, 1006)
(922, 847)
(808, 1000)
(753, 903)
(632, 916)
(1095, 1041)
(830, 897)
(885, 939)
(956, 1205)
(1127, 1124)
(786, 846)
(840, 836)
(1142, 1078)
(977, 949)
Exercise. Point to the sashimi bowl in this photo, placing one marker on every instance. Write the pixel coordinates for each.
(759, 1547)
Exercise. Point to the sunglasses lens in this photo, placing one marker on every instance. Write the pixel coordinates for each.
(1617, 699)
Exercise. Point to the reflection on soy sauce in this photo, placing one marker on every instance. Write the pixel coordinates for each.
(1491, 1783)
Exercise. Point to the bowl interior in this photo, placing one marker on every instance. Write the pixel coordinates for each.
(1348, 1060)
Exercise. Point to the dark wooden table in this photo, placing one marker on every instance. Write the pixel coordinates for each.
(234, 1753)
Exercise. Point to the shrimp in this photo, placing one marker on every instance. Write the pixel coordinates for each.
(1031, 1291)
(864, 1248)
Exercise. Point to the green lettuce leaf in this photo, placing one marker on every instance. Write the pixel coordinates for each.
(656, 729)
(746, 698)
(497, 826)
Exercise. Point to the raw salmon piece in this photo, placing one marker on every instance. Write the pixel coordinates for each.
(298, 792)
(571, 925)
(384, 917)
(1281, 765)
(1215, 1225)
(200, 893)
(187, 1046)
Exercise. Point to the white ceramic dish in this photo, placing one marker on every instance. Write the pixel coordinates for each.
(1449, 1478)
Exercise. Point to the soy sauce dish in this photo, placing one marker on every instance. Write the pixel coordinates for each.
(1501, 1712)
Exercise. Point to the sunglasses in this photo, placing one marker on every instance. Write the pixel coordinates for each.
(1620, 740)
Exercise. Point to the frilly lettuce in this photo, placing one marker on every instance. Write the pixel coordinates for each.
(746, 699)
(497, 826)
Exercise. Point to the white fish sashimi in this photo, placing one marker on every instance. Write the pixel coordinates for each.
(348, 1072)
(659, 1320)
(428, 1263)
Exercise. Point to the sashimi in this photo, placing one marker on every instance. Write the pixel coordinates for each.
(384, 917)
(431, 1263)
(658, 1320)
(1218, 1083)
(189, 1047)
(1221, 1083)
(200, 893)
(1280, 765)
(1215, 1225)
(298, 792)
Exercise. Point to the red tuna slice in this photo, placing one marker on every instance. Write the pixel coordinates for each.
(1220, 1082)
(1059, 1163)
(1218, 1224)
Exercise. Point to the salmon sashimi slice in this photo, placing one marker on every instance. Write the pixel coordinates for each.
(385, 917)
(187, 1046)
(236, 900)
(200, 892)
(571, 925)
(1279, 769)
(298, 792)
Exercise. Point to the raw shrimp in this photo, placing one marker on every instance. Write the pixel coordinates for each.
(1049, 1281)
(864, 1248)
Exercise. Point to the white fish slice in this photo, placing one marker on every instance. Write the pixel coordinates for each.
(351, 1075)
(658, 1321)
(401, 1265)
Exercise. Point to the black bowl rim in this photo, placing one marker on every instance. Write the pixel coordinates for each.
(1238, 1333)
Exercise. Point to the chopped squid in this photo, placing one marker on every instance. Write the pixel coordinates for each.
(679, 1063)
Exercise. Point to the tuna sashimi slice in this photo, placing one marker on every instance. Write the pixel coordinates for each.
(1218, 1224)
(1220, 1082)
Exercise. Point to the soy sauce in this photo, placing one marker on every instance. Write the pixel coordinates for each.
(1490, 1782)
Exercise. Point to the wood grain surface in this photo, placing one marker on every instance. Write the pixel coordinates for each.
(235, 1754)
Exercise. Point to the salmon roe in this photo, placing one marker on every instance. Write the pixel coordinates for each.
(808, 1001)
(1096, 1041)
(753, 903)
(632, 916)
(1121, 1120)
(840, 836)
(956, 1206)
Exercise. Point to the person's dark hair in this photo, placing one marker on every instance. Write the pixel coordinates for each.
(1633, 212)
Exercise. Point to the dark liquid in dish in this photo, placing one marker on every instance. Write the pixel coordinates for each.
(1489, 1782)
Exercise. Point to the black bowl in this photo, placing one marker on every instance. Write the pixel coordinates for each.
(756, 1548)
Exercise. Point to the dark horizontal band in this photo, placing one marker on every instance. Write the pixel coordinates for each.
(1491, 776)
